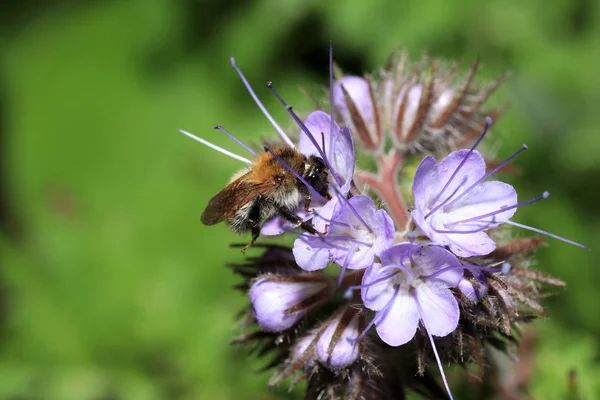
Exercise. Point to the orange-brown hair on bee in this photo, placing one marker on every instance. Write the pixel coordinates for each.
(268, 188)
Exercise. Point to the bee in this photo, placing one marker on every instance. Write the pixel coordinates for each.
(266, 189)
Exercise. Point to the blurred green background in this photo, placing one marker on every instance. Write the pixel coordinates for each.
(110, 286)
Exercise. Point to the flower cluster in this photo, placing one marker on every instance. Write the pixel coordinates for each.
(358, 307)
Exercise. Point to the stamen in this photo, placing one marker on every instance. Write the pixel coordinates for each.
(331, 221)
(552, 235)
(238, 141)
(543, 196)
(345, 265)
(215, 147)
(455, 267)
(488, 123)
(319, 237)
(506, 267)
(437, 357)
(307, 133)
(356, 214)
(297, 175)
(375, 282)
(331, 110)
(456, 232)
(350, 239)
(401, 268)
(493, 171)
(378, 316)
(285, 137)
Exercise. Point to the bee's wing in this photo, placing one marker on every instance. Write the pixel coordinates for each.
(229, 200)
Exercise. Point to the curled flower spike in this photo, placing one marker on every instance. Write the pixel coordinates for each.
(358, 232)
(279, 301)
(428, 270)
(422, 107)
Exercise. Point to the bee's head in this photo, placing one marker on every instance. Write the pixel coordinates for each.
(317, 175)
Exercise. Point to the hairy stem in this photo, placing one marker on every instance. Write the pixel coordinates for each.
(385, 184)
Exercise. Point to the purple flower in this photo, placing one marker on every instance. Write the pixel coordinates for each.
(279, 301)
(454, 206)
(356, 233)
(339, 150)
(336, 346)
(410, 285)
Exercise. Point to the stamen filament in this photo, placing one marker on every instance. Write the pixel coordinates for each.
(378, 316)
(375, 282)
(331, 110)
(356, 214)
(483, 228)
(455, 267)
(260, 105)
(552, 235)
(435, 352)
(493, 171)
(297, 175)
(320, 238)
(331, 221)
(350, 239)
(345, 265)
(307, 133)
(238, 141)
(215, 147)
(543, 196)
(488, 123)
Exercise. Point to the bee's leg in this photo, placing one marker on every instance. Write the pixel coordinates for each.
(297, 221)
(255, 234)
(254, 219)
(307, 199)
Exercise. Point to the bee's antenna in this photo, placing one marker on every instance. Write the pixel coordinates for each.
(217, 148)
(314, 193)
(307, 133)
(238, 141)
(260, 105)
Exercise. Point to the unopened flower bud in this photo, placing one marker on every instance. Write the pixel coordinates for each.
(302, 353)
(353, 100)
(337, 346)
(279, 301)
(473, 286)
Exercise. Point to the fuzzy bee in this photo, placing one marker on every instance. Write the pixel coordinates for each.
(266, 189)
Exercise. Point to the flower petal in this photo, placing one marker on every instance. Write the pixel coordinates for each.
(469, 244)
(439, 309)
(431, 259)
(470, 172)
(317, 122)
(310, 254)
(376, 296)
(397, 324)
(277, 225)
(483, 199)
(341, 157)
